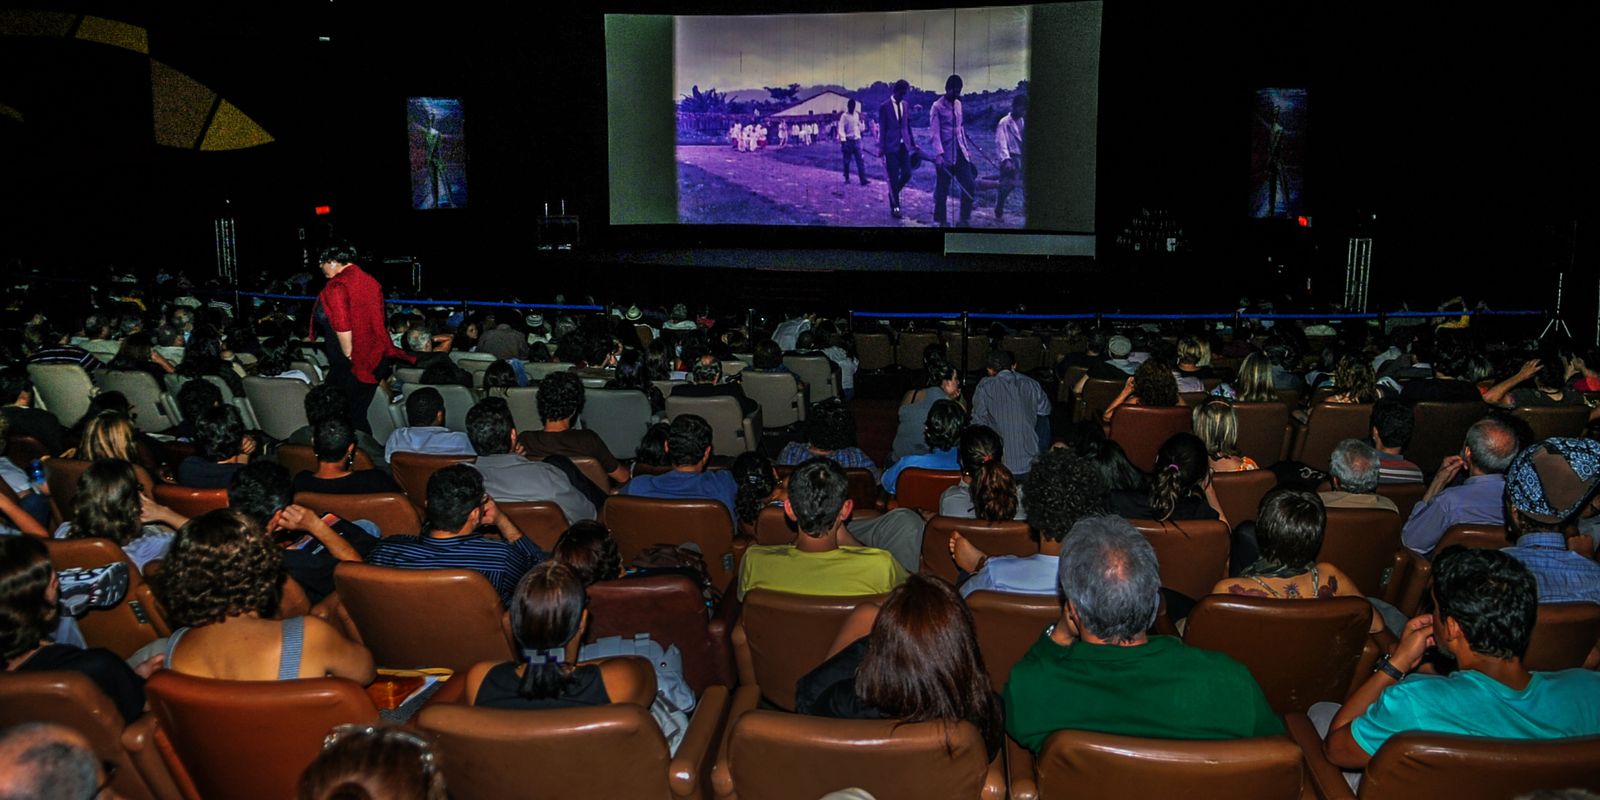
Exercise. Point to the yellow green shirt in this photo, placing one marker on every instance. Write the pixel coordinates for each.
(841, 572)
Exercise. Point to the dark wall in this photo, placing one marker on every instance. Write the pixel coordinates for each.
(1457, 132)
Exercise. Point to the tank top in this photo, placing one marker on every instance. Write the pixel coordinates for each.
(499, 690)
(294, 640)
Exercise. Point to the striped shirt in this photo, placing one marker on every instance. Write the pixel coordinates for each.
(1396, 469)
(502, 563)
(66, 354)
(1011, 404)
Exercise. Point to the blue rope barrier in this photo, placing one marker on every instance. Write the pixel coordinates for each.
(1030, 316)
(406, 301)
(1166, 316)
(907, 315)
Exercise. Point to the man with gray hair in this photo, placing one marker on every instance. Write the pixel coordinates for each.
(42, 761)
(1097, 669)
(1487, 452)
(1354, 467)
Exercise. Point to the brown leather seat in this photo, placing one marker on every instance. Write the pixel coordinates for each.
(863, 487)
(1082, 764)
(541, 521)
(23, 449)
(772, 755)
(597, 751)
(673, 611)
(412, 470)
(1007, 625)
(71, 699)
(61, 478)
(1365, 545)
(1240, 493)
(133, 623)
(773, 526)
(298, 458)
(921, 488)
(250, 739)
(1327, 425)
(875, 351)
(1548, 421)
(415, 618)
(1096, 397)
(639, 522)
(392, 512)
(1300, 651)
(1027, 349)
(1563, 636)
(1193, 554)
(188, 501)
(1441, 428)
(1263, 431)
(1413, 765)
(590, 467)
(732, 432)
(1419, 570)
(1008, 538)
(908, 350)
(780, 637)
(1141, 430)
(1404, 495)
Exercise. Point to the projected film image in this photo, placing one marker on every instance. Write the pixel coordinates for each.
(1277, 153)
(913, 118)
(438, 152)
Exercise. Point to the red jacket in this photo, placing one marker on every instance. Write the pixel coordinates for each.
(353, 301)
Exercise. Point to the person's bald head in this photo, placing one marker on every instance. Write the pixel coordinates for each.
(1490, 445)
(47, 762)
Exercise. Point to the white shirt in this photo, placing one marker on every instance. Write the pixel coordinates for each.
(429, 439)
(1008, 137)
(789, 330)
(850, 127)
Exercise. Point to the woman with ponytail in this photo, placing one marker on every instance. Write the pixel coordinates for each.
(549, 613)
(987, 489)
(1180, 487)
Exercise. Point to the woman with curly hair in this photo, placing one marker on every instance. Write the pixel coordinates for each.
(588, 549)
(1353, 381)
(110, 506)
(1151, 385)
(759, 487)
(222, 584)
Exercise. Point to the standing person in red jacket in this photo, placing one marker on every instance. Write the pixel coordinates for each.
(349, 316)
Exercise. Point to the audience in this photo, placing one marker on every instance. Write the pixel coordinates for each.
(1547, 486)
(1488, 450)
(374, 762)
(334, 442)
(633, 372)
(221, 447)
(1353, 471)
(1392, 424)
(1062, 489)
(1217, 425)
(425, 431)
(509, 476)
(759, 487)
(109, 505)
(1180, 487)
(1016, 407)
(46, 761)
(560, 400)
(328, 401)
(831, 434)
(987, 489)
(16, 404)
(1152, 384)
(706, 372)
(942, 432)
(944, 383)
(312, 547)
(137, 353)
(688, 449)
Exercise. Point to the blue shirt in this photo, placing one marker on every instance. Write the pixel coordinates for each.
(938, 459)
(1012, 404)
(427, 439)
(1563, 576)
(502, 563)
(1015, 574)
(675, 485)
(1555, 705)
(1478, 501)
(848, 457)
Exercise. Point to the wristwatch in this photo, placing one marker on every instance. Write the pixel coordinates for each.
(1387, 668)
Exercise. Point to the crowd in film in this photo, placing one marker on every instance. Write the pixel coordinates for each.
(1331, 541)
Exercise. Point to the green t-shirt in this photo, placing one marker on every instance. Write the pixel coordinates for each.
(841, 572)
(1555, 705)
(1162, 689)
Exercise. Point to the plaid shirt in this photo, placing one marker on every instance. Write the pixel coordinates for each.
(1563, 576)
(847, 457)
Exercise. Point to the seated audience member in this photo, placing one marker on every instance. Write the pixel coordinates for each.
(1111, 462)
(549, 613)
(817, 563)
(1443, 385)
(1549, 386)
(503, 342)
(910, 435)
(222, 586)
(1016, 407)
(277, 361)
(327, 401)
(425, 431)
(109, 506)
(1353, 382)
(1194, 364)
(47, 345)
(915, 660)
(1547, 486)
(205, 354)
(111, 434)
(560, 400)
(1488, 450)
(138, 353)
(1255, 382)
(35, 503)
(1116, 366)
(942, 432)
(830, 434)
(652, 449)
(30, 594)
(16, 404)
(457, 508)
(1392, 425)
(499, 378)
(1098, 670)
(374, 761)
(311, 547)
(688, 448)
(633, 372)
(707, 376)
(1485, 604)
(426, 347)
(759, 487)
(838, 347)
(588, 549)
(1061, 489)
(221, 447)
(1288, 535)
(1180, 488)
(1217, 425)
(334, 442)
(195, 398)
(1151, 385)
(48, 761)
(509, 476)
(987, 489)
(1353, 471)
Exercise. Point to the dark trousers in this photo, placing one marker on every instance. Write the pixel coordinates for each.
(851, 148)
(941, 188)
(1009, 178)
(360, 394)
(897, 163)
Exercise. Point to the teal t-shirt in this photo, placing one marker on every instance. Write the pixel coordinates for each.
(1162, 689)
(1555, 705)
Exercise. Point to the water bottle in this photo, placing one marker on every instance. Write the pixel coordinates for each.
(36, 473)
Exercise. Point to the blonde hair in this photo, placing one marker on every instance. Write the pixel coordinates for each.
(109, 434)
(1194, 350)
(1255, 380)
(1218, 426)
